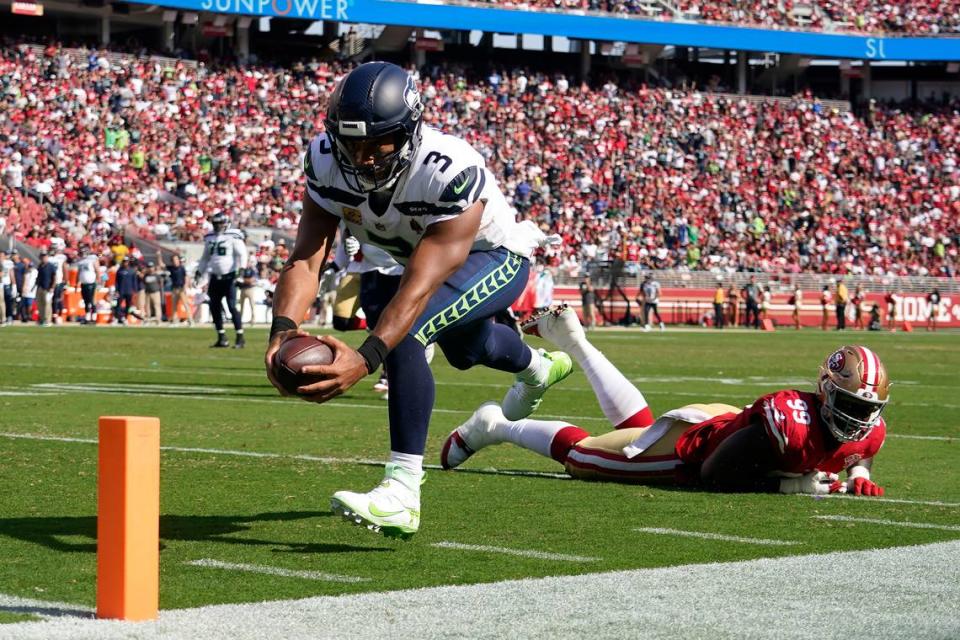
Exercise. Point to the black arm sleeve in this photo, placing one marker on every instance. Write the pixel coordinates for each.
(741, 463)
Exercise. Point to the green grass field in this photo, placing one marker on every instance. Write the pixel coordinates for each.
(229, 504)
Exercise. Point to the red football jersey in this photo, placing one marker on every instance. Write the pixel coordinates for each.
(799, 438)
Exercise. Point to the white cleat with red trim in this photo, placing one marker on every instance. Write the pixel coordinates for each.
(558, 324)
(474, 434)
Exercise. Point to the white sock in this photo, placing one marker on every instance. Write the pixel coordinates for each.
(409, 462)
(535, 435)
(537, 371)
(619, 398)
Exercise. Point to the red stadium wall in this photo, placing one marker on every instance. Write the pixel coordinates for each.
(689, 306)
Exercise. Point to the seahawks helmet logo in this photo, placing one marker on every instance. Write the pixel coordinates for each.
(836, 361)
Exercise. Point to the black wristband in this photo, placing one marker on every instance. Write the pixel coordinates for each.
(374, 351)
(281, 323)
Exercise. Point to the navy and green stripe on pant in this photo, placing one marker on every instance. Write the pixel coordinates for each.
(459, 318)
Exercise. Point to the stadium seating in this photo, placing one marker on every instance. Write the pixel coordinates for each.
(660, 178)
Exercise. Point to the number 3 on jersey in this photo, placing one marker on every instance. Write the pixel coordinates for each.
(801, 412)
(437, 157)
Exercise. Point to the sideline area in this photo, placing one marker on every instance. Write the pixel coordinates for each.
(890, 593)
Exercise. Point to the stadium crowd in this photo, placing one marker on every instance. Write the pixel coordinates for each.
(923, 17)
(91, 145)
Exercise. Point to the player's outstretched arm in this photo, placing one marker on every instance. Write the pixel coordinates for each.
(742, 462)
(441, 251)
(300, 278)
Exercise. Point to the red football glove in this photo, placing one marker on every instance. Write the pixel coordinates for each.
(863, 487)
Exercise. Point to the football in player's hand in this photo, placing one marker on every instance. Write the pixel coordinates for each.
(296, 353)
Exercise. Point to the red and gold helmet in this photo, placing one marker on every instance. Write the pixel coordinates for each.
(853, 389)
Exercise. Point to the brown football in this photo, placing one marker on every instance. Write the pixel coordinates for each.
(296, 353)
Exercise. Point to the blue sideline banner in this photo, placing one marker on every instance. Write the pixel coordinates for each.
(589, 27)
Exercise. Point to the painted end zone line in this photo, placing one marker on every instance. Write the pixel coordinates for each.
(274, 571)
(298, 456)
(524, 553)
(891, 523)
(843, 496)
(715, 536)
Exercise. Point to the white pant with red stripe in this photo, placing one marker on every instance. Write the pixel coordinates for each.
(645, 454)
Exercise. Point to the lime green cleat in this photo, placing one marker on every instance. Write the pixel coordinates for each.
(523, 398)
(391, 508)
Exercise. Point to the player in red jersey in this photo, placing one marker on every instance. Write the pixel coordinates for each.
(788, 441)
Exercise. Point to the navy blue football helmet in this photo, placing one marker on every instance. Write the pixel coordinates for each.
(373, 122)
(220, 222)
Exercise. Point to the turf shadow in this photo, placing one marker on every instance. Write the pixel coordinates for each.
(57, 533)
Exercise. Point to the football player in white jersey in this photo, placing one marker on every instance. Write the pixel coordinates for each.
(224, 255)
(88, 272)
(429, 201)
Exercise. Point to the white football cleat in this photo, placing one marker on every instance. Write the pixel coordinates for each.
(391, 508)
(523, 398)
(559, 324)
(474, 434)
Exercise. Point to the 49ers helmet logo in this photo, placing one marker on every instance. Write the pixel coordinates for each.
(836, 361)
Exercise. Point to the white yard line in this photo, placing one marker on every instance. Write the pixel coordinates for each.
(843, 496)
(913, 594)
(716, 536)
(275, 571)
(910, 437)
(891, 523)
(379, 463)
(523, 553)
(369, 462)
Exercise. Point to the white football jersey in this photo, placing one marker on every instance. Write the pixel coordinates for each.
(58, 260)
(223, 253)
(87, 268)
(446, 176)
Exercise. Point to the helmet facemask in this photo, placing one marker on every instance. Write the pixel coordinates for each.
(849, 417)
(372, 163)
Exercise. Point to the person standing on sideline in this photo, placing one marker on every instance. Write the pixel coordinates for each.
(857, 302)
(825, 298)
(797, 301)
(28, 292)
(733, 301)
(751, 295)
(224, 255)
(544, 296)
(59, 261)
(6, 279)
(588, 302)
(766, 298)
(651, 301)
(891, 300)
(248, 289)
(87, 276)
(125, 286)
(841, 298)
(934, 301)
(46, 282)
(152, 292)
(178, 286)
(20, 266)
(719, 297)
